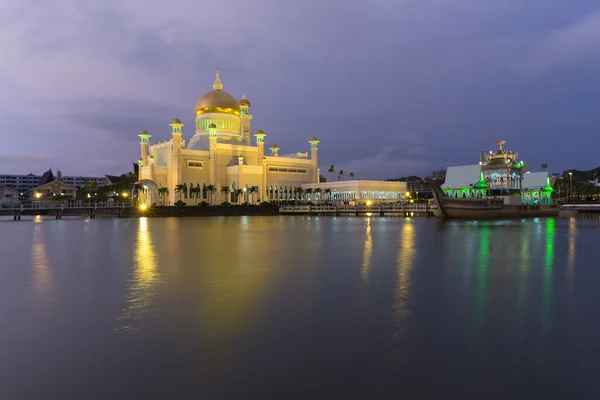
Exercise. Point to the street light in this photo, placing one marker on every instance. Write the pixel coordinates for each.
(571, 186)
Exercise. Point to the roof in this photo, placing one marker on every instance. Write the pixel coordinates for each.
(463, 176)
(535, 180)
(54, 187)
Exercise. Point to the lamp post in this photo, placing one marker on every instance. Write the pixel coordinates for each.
(571, 186)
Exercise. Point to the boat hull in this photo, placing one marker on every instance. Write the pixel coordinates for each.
(490, 208)
(499, 213)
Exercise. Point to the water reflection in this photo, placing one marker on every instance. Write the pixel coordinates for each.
(143, 279)
(42, 279)
(367, 253)
(524, 265)
(547, 282)
(404, 262)
(482, 274)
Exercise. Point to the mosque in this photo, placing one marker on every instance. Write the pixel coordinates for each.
(220, 157)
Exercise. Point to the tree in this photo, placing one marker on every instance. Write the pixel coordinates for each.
(162, 192)
(238, 194)
(179, 189)
(439, 175)
(322, 178)
(252, 191)
(341, 174)
(212, 190)
(193, 193)
(351, 176)
(331, 170)
(319, 191)
(299, 191)
(225, 190)
(309, 192)
(327, 192)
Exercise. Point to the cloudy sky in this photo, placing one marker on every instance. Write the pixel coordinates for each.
(390, 87)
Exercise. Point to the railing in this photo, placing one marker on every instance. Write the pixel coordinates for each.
(69, 205)
(335, 209)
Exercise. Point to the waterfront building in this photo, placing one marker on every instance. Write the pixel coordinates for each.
(52, 189)
(356, 192)
(220, 158)
(498, 173)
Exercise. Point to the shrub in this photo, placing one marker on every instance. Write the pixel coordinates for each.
(265, 203)
(179, 203)
(245, 203)
(203, 204)
(225, 203)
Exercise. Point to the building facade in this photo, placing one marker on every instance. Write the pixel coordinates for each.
(498, 174)
(357, 192)
(220, 157)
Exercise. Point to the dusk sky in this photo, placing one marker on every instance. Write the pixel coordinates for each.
(391, 88)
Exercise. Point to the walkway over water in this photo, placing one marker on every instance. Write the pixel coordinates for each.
(60, 208)
(422, 210)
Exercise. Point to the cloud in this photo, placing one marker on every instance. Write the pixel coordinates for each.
(83, 77)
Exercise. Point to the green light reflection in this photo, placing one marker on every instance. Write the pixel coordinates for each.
(547, 282)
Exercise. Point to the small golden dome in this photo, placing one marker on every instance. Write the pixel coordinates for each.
(259, 132)
(212, 126)
(176, 121)
(244, 101)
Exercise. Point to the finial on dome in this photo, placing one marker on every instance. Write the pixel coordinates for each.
(217, 84)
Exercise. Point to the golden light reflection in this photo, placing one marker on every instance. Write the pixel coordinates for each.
(42, 279)
(404, 263)
(367, 253)
(144, 278)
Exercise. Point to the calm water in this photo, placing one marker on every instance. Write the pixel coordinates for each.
(298, 307)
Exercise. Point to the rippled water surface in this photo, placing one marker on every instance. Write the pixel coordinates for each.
(299, 308)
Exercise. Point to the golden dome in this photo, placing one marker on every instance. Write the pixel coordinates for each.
(217, 101)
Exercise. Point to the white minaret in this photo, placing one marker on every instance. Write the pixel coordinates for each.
(176, 147)
(314, 158)
(245, 119)
(212, 155)
(260, 143)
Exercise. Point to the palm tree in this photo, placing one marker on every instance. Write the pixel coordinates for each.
(162, 192)
(225, 190)
(179, 189)
(194, 193)
(351, 176)
(137, 188)
(212, 190)
(238, 194)
(341, 174)
(331, 170)
(299, 191)
(327, 191)
(319, 191)
(252, 190)
(309, 192)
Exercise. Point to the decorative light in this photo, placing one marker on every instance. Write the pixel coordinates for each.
(369, 202)
(124, 194)
(38, 195)
(143, 207)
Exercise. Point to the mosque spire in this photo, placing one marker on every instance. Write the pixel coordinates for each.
(244, 97)
(217, 84)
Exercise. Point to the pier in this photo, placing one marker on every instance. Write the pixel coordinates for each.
(412, 210)
(60, 209)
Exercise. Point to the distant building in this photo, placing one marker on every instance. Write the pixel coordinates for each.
(418, 186)
(52, 189)
(24, 183)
